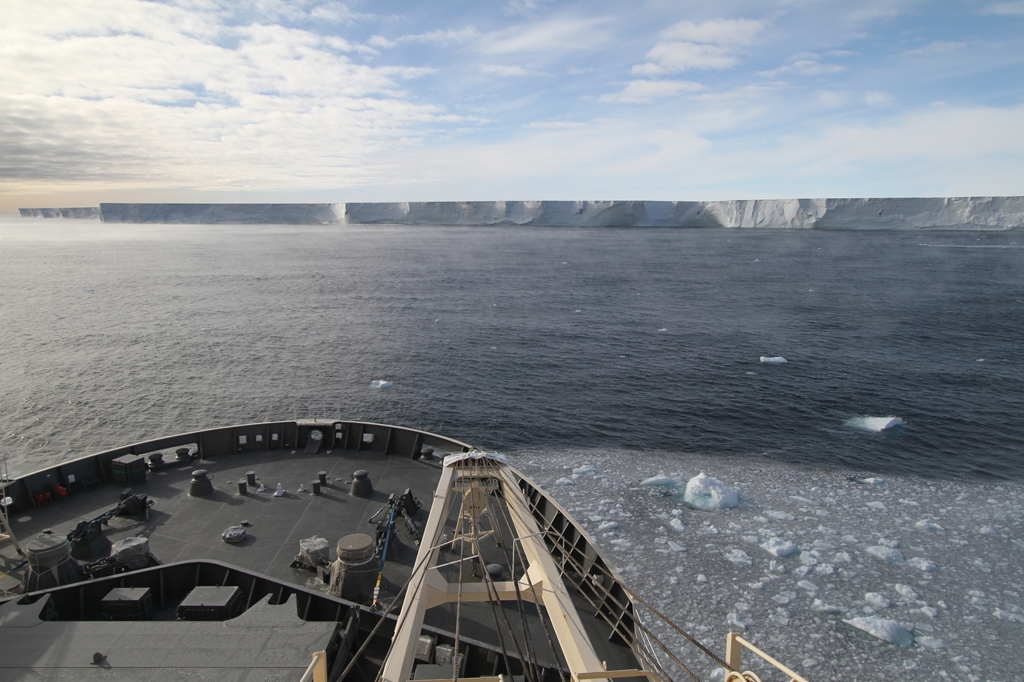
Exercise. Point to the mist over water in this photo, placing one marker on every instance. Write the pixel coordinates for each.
(636, 339)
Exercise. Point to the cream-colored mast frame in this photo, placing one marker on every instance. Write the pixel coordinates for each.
(465, 474)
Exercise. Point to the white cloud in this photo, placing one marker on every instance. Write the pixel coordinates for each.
(1005, 8)
(832, 99)
(441, 37)
(805, 64)
(502, 70)
(715, 44)
(675, 57)
(642, 91)
(554, 36)
(115, 91)
(716, 32)
(874, 98)
(934, 48)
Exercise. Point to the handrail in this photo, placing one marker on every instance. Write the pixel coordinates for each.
(317, 670)
(734, 649)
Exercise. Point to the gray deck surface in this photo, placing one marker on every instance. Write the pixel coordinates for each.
(183, 528)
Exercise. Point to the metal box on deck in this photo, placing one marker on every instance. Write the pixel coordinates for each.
(127, 603)
(211, 603)
(128, 469)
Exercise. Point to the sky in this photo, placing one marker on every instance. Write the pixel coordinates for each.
(310, 101)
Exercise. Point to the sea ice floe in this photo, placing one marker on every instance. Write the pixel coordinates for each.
(883, 628)
(877, 601)
(922, 564)
(893, 556)
(874, 480)
(1006, 615)
(606, 526)
(780, 515)
(381, 383)
(676, 547)
(821, 607)
(930, 526)
(929, 642)
(906, 591)
(880, 506)
(773, 360)
(738, 557)
(565, 481)
(704, 492)
(585, 470)
(677, 525)
(661, 480)
(807, 585)
(874, 424)
(778, 547)
(930, 611)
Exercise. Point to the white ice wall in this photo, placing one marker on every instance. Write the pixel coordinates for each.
(991, 213)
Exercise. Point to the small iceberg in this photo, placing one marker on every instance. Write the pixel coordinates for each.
(779, 547)
(883, 628)
(874, 424)
(708, 494)
(659, 481)
(773, 360)
(380, 383)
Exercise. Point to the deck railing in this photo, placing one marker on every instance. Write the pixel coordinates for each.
(734, 646)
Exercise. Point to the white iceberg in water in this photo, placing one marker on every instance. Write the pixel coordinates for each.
(380, 383)
(874, 424)
(893, 556)
(661, 480)
(883, 628)
(778, 547)
(773, 360)
(709, 494)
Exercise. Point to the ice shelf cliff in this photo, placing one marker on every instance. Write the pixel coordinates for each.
(79, 212)
(962, 213)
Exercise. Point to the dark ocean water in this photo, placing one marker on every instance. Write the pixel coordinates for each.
(522, 338)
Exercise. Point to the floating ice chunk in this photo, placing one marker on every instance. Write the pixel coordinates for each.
(778, 547)
(659, 481)
(565, 481)
(585, 470)
(883, 628)
(922, 564)
(906, 591)
(607, 525)
(880, 506)
(876, 600)
(738, 557)
(675, 548)
(773, 360)
(607, 503)
(874, 424)
(842, 558)
(930, 526)
(929, 642)
(380, 383)
(930, 611)
(704, 492)
(735, 622)
(810, 558)
(825, 569)
(802, 500)
(663, 329)
(989, 531)
(874, 480)
(780, 515)
(677, 525)
(776, 566)
(1006, 615)
(622, 543)
(893, 556)
(822, 607)
(807, 585)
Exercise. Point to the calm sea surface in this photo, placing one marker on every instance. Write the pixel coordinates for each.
(629, 339)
